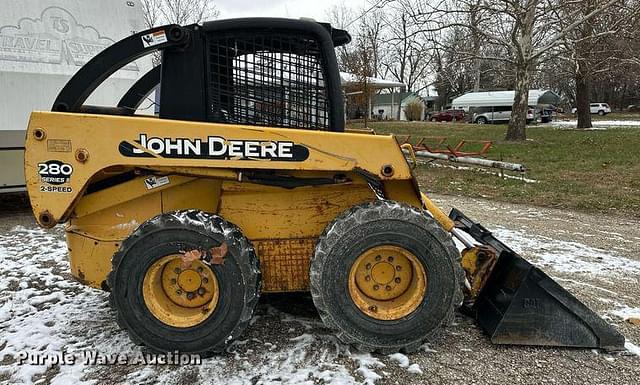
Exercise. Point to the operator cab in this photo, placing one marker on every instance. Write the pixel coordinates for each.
(254, 71)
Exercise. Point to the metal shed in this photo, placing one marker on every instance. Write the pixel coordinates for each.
(502, 98)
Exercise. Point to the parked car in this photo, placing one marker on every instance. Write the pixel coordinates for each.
(448, 116)
(497, 114)
(596, 108)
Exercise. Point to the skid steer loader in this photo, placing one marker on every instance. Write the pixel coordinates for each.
(248, 182)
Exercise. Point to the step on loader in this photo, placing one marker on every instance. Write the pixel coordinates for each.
(247, 182)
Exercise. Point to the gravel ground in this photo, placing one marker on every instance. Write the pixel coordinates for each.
(42, 311)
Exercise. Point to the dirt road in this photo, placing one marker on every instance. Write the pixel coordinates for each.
(43, 311)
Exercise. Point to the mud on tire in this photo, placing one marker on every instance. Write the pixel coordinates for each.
(385, 223)
(173, 233)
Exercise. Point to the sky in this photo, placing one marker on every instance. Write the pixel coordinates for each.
(315, 9)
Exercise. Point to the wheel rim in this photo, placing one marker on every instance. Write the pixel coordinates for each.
(180, 295)
(387, 282)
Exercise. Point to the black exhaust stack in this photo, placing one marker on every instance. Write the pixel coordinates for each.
(521, 305)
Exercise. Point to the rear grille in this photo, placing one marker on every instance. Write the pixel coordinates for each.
(266, 79)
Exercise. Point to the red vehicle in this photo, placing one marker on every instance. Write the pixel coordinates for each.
(448, 116)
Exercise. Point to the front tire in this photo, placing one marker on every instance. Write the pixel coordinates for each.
(601, 113)
(407, 255)
(196, 306)
(481, 120)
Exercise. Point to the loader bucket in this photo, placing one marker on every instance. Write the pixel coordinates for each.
(521, 305)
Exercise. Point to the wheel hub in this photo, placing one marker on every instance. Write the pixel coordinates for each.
(387, 282)
(383, 273)
(189, 280)
(178, 296)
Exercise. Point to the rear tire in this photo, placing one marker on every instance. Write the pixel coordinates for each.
(601, 113)
(237, 283)
(371, 226)
(434, 120)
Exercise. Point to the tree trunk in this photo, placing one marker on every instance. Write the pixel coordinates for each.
(518, 121)
(366, 112)
(583, 93)
(524, 68)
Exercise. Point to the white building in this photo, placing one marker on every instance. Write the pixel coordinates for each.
(386, 105)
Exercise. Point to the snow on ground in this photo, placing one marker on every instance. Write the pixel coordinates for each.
(567, 256)
(597, 124)
(632, 348)
(626, 312)
(44, 312)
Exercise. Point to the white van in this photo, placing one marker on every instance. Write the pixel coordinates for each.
(498, 114)
(596, 108)
(42, 44)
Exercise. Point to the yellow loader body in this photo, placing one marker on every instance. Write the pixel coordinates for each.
(248, 182)
(283, 224)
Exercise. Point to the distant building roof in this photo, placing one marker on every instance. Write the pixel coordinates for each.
(503, 98)
(381, 99)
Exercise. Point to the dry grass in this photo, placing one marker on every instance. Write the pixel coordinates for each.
(593, 171)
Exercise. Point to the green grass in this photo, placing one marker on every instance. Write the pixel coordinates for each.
(593, 171)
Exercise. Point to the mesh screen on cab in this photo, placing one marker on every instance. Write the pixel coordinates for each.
(266, 79)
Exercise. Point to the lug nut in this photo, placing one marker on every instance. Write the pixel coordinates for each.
(368, 266)
(376, 287)
(398, 268)
(201, 291)
(373, 308)
(177, 270)
(378, 257)
(190, 296)
(205, 280)
(388, 288)
(390, 259)
(179, 292)
(397, 280)
(367, 278)
(199, 269)
(173, 281)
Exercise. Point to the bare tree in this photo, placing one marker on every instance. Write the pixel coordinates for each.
(408, 59)
(454, 74)
(362, 66)
(524, 31)
(362, 57)
(340, 16)
(475, 17)
(597, 49)
(158, 12)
